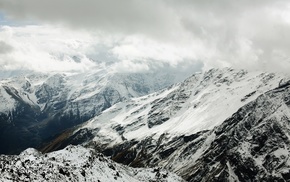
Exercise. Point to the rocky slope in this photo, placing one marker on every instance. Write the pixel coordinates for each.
(222, 125)
(74, 163)
(252, 145)
(37, 106)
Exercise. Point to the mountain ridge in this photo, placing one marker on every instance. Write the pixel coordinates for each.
(178, 142)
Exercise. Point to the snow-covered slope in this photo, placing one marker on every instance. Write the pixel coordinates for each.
(37, 106)
(74, 163)
(221, 125)
(252, 145)
(201, 102)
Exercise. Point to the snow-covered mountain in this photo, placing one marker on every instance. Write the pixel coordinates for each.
(221, 125)
(74, 163)
(199, 103)
(252, 145)
(37, 106)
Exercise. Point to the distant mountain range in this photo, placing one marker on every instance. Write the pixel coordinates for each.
(35, 107)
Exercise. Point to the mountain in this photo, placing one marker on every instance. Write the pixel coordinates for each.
(221, 125)
(251, 145)
(74, 163)
(35, 107)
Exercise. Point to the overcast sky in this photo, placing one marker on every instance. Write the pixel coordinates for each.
(140, 34)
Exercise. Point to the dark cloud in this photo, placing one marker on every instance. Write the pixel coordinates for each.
(126, 16)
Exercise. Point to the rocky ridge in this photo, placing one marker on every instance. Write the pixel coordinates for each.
(75, 163)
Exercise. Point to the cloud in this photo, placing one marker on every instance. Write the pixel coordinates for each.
(49, 48)
(241, 34)
(141, 48)
(5, 48)
(128, 16)
(43, 48)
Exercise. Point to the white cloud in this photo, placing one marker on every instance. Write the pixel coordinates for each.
(242, 34)
(131, 66)
(43, 48)
(143, 48)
